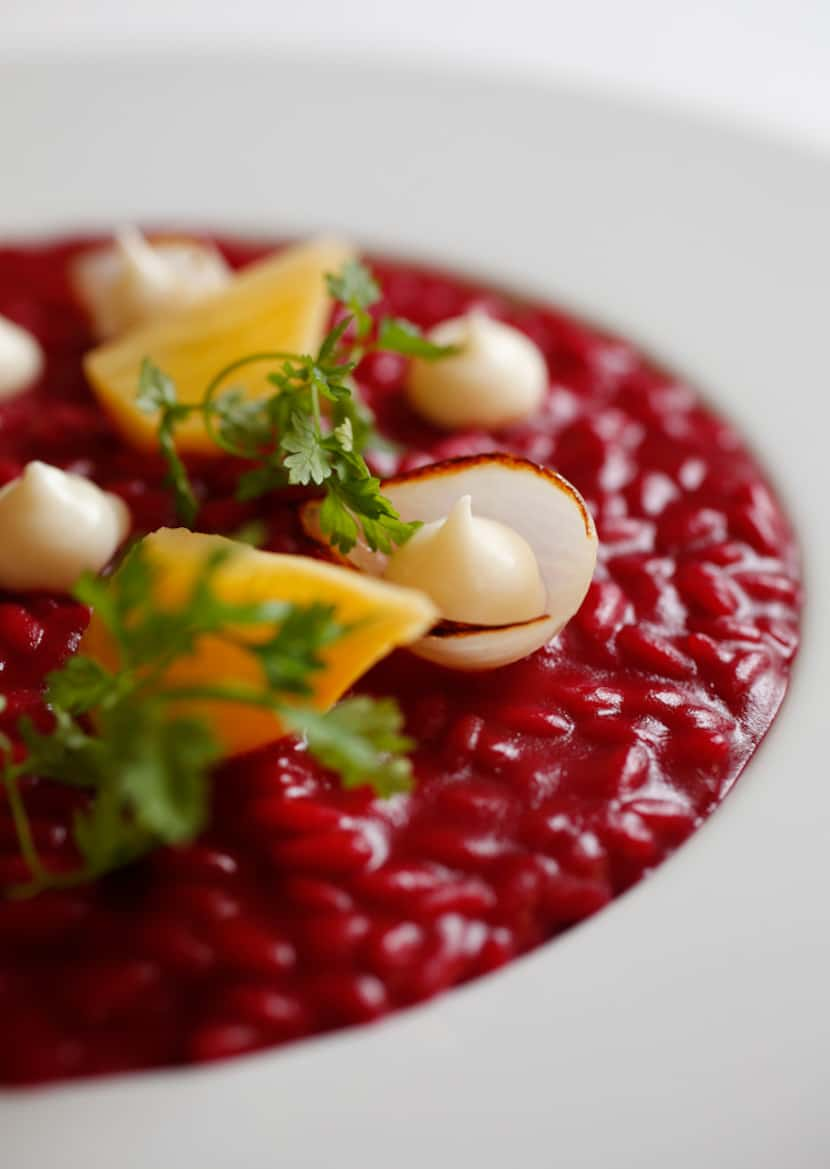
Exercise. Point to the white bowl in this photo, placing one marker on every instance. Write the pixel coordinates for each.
(687, 1025)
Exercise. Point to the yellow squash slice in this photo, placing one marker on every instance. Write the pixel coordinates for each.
(280, 303)
(386, 616)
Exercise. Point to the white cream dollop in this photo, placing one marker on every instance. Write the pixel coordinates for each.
(498, 376)
(136, 281)
(55, 525)
(476, 570)
(21, 359)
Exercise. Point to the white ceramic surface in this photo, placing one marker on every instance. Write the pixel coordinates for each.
(763, 61)
(687, 1025)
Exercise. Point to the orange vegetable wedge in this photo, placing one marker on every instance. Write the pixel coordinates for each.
(278, 304)
(386, 616)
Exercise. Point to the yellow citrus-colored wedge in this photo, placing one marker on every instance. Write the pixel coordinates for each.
(278, 304)
(388, 616)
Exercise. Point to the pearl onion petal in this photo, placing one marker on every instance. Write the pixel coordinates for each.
(537, 503)
(480, 648)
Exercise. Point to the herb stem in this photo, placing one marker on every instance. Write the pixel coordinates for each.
(206, 406)
(46, 880)
(23, 826)
(315, 409)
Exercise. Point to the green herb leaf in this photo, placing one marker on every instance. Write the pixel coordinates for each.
(156, 391)
(306, 460)
(399, 336)
(161, 767)
(337, 523)
(243, 424)
(344, 435)
(331, 341)
(79, 686)
(361, 740)
(65, 754)
(293, 654)
(355, 287)
(359, 494)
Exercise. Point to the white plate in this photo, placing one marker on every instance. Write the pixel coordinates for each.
(687, 1025)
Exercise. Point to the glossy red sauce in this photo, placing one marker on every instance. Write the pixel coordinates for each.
(543, 790)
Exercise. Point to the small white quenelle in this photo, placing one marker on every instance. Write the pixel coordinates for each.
(477, 571)
(21, 359)
(497, 377)
(134, 280)
(54, 526)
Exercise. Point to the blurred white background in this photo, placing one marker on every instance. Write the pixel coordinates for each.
(764, 61)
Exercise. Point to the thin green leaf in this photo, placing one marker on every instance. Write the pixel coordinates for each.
(399, 336)
(294, 654)
(354, 285)
(332, 339)
(361, 739)
(156, 391)
(79, 686)
(307, 459)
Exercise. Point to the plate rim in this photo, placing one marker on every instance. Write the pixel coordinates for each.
(809, 671)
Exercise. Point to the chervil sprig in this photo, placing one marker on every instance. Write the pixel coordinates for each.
(357, 290)
(312, 430)
(119, 736)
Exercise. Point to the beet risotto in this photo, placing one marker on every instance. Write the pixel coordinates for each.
(535, 686)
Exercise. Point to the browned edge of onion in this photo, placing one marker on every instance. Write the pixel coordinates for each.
(445, 466)
(458, 629)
